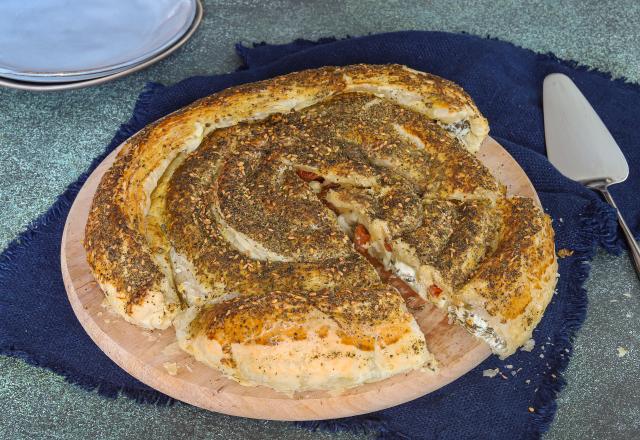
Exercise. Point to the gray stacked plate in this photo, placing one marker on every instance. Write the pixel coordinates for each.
(65, 44)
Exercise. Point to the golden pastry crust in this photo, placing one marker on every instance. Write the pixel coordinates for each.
(135, 280)
(299, 341)
(233, 219)
(512, 286)
(298, 245)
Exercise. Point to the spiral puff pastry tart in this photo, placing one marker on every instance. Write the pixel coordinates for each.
(287, 227)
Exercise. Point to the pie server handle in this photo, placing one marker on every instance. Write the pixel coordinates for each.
(634, 249)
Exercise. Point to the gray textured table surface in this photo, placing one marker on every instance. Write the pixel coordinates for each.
(47, 140)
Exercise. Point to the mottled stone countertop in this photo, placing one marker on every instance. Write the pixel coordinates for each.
(47, 140)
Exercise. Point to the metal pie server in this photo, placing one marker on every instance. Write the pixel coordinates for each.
(580, 146)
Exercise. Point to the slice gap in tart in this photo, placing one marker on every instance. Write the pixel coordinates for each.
(452, 258)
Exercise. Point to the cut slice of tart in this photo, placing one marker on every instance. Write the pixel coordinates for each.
(303, 341)
(490, 264)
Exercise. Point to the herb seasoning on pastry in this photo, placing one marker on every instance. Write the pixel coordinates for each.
(282, 225)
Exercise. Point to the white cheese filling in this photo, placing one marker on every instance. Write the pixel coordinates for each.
(477, 327)
(459, 129)
(404, 271)
(408, 274)
(347, 221)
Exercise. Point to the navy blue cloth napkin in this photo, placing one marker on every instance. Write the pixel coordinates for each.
(37, 323)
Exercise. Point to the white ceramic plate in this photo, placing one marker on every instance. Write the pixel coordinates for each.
(52, 87)
(72, 40)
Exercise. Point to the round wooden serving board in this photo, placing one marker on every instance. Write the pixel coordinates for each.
(151, 356)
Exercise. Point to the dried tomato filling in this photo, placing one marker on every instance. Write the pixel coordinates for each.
(361, 240)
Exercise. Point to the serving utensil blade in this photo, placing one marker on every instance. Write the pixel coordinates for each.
(580, 146)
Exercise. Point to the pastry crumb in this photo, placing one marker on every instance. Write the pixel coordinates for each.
(491, 372)
(622, 352)
(171, 367)
(562, 253)
(528, 346)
